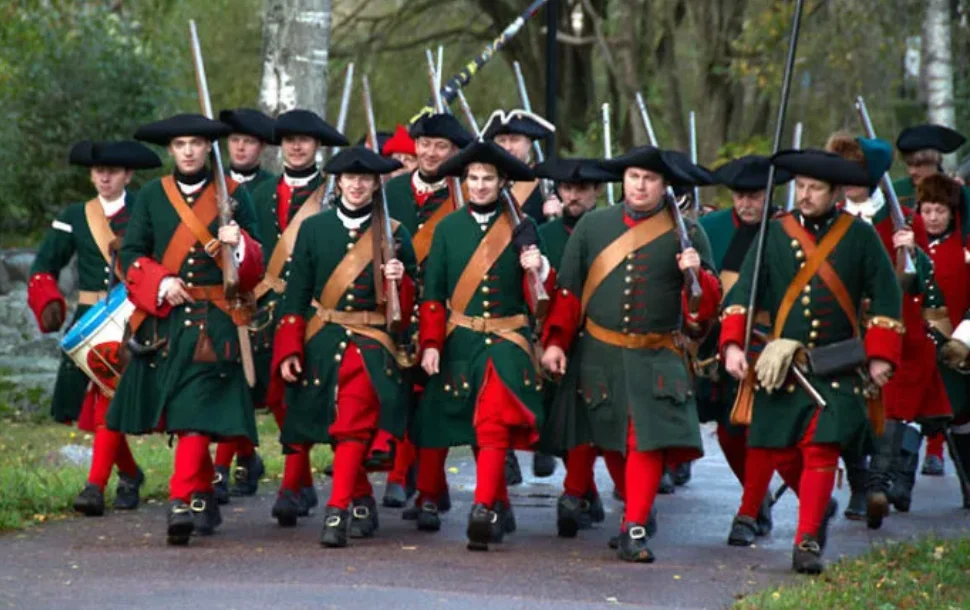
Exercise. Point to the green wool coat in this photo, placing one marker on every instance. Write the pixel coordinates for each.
(906, 192)
(554, 235)
(55, 252)
(606, 386)
(311, 404)
(265, 201)
(261, 176)
(444, 415)
(533, 206)
(860, 260)
(207, 397)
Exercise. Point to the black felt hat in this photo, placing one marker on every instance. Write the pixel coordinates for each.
(822, 165)
(574, 171)
(933, 137)
(164, 131)
(748, 173)
(490, 153)
(114, 153)
(649, 158)
(441, 126)
(519, 122)
(360, 160)
(687, 173)
(307, 123)
(249, 122)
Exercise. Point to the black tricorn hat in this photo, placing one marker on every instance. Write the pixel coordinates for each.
(748, 173)
(574, 171)
(249, 122)
(164, 131)
(649, 158)
(114, 153)
(933, 137)
(489, 153)
(360, 160)
(307, 123)
(687, 173)
(441, 126)
(520, 122)
(822, 165)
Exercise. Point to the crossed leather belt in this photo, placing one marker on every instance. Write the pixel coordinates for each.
(216, 294)
(633, 340)
(503, 327)
(361, 323)
(90, 297)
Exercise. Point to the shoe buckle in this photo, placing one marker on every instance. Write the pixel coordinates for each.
(333, 521)
(241, 473)
(197, 505)
(216, 480)
(361, 512)
(811, 546)
(637, 532)
(493, 517)
(180, 509)
(429, 507)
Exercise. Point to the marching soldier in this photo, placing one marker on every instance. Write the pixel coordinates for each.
(331, 345)
(825, 261)
(93, 231)
(185, 375)
(626, 388)
(516, 132)
(484, 388)
(400, 147)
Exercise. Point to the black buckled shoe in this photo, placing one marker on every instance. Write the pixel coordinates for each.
(245, 479)
(336, 522)
(666, 486)
(287, 508)
(764, 521)
(513, 473)
(543, 465)
(308, 499)
(877, 509)
(506, 517)
(364, 522)
(128, 491)
(597, 514)
(395, 496)
(428, 517)
(744, 531)
(205, 513)
(180, 523)
(632, 544)
(483, 527)
(220, 485)
(806, 557)
(90, 502)
(857, 508)
(823, 529)
(681, 474)
(569, 515)
(933, 466)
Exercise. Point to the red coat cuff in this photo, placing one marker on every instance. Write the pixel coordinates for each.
(251, 269)
(432, 325)
(732, 328)
(42, 290)
(710, 298)
(884, 344)
(288, 340)
(143, 280)
(563, 320)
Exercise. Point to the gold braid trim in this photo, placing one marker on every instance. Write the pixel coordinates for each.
(734, 310)
(887, 323)
(939, 319)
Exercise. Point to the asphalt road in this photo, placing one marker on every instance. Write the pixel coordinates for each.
(122, 561)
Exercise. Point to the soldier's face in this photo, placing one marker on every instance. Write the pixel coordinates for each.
(244, 151)
(748, 205)
(516, 144)
(857, 194)
(578, 197)
(643, 189)
(813, 197)
(918, 171)
(299, 151)
(410, 163)
(189, 153)
(110, 182)
(483, 183)
(432, 152)
(357, 190)
(936, 217)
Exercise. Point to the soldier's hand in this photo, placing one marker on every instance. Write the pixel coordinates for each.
(904, 238)
(531, 259)
(52, 316)
(230, 234)
(954, 353)
(290, 369)
(394, 270)
(554, 360)
(735, 362)
(430, 361)
(689, 259)
(880, 371)
(176, 294)
(552, 207)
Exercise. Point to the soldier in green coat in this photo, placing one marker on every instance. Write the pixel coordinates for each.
(251, 132)
(819, 264)
(626, 388)
(484, 388)
(331, 345)
(185, 376)
(92, 231)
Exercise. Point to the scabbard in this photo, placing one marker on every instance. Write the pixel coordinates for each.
(246, 355)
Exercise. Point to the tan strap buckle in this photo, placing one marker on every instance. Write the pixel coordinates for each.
(212, 248)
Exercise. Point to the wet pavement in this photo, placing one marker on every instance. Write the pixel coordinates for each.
(122, 561)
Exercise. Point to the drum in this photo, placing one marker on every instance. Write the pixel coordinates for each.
(93, 342)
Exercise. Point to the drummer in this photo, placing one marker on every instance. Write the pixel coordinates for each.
(92, 230)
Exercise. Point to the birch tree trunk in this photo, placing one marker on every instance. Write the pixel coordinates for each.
(938, 66)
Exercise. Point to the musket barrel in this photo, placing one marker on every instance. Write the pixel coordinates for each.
(544, 184)
(693, 159)
(797, 145)
(341, 123)
(608, 150)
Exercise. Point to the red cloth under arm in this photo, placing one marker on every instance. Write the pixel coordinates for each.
(251, 269)
(41, 291)
(710, 298)
(432, 326)
(563, 320)
(143, 280)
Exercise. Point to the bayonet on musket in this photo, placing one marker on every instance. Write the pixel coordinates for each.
(439, 108)
(341, 124)
(797, 145)
(544, 184)
(608, 150)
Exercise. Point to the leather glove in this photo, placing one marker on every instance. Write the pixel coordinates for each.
(525, 235)
(773, 363)
(954, 353)
(52, 316)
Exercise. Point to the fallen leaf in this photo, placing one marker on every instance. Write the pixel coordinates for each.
(453, 469)
(409, 548)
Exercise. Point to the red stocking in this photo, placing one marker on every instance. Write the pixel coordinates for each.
(124, 459)
(406, 454)
(616, 465)
(734, 448)
(758, 470)
(934, 445)
(818, 481)
(348, 460)
(293, 469)
(579, 470)
(225, 452)
(362, 486)
(431, 474)
(644, 470)
(245, 447)
(106, 443)
(191, 458)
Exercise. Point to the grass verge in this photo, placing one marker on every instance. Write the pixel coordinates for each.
(38, 482)
(931, 574)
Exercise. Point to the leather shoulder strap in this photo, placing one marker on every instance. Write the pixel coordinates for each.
(284, 245)
(612, 255)
(521, 191)
(350, 267)
(489, 249)
(816, 263)
(199, 216)
(422, 239)
(100, 229)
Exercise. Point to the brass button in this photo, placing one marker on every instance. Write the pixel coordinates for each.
(626, 306)
(628, 279)
(629, 267)
(816, 323)
(527, 382)
(316, 381)
(629, 256)
(190, 261)
(486, 315)
(811, 344)
(189, 274)
(835, 385)
(349, 308)
(799, 254)
(465, 385)
(352, 234)
(188, 309)
(350, 246)
(565, 292)
(189, 284)
(350, 297)
(807, 288)
(488, 340)
(188, 322)
(343, 345)
(349, 333)
(626, 319)
(484, 303)
(447, 387)
(794, 243)
(790, 388)
(107, 269)
(628, 291)
(420, 226)
(807, 313)
(813, 335)
(484, 289)
(337, 357)
(806, 300)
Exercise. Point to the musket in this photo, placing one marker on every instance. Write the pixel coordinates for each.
(538, 299)
(905, 268)
(694, 291)
(693, 159)
(383, 233)
(458, 81)
(608, 150)
(439, 107)
(797, 145)
(341, 123)
(544, 184)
